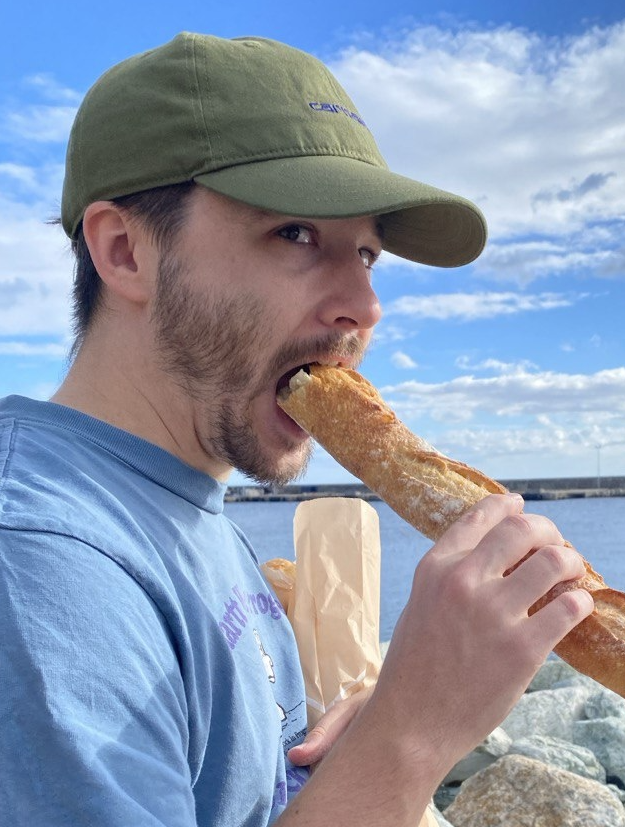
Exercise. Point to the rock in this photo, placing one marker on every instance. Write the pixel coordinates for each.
(547, 712)
(617, 791)
(553, 671)
(445, 795)
(606, 738)
(440, 818)
(562, 754)
(604, 704)
(493, 747)
(517, 791)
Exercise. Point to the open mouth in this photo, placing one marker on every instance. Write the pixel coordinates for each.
(284, 380)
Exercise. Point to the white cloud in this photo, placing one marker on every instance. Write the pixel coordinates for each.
(541, 446)
(402, 360)
(48, 87)
(35, 273)
(515, 394)
(472, 306)
(18, 172)
(41, 123)
(524, 261)
(530, 127)
(494, 365)
(52, 350)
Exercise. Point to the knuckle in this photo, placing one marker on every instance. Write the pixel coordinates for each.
(521, 524)
(459, 587)
(575, 604)
(474, 518)
(553, 558)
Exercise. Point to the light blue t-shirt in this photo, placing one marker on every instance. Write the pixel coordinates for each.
(148, 674)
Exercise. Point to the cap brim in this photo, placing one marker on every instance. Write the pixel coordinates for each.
(421, 223)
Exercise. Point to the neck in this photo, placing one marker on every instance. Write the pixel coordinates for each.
(115, 384)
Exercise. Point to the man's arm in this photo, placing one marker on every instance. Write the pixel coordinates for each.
(463, 652)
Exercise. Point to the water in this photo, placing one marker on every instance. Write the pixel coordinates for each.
(596, 527)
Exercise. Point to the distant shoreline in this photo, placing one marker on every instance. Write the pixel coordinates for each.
(534, 489)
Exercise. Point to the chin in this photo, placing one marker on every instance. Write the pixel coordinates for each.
(288, 468)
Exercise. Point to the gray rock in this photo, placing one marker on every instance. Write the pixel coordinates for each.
(549, 713)
(606, 738)
(517, 791)
(617, 791)
(440, 818)
(562, 754)
(445, 795)
(553, 671)
(605, 704)
(493, 747)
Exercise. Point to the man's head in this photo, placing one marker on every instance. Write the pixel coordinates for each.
(207, 149)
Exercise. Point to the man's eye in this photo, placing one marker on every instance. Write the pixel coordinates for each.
(368, 257)
(297, 233)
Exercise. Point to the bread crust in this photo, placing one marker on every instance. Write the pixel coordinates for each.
(345, 414)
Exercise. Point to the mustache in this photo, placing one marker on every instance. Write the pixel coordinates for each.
(333, 346)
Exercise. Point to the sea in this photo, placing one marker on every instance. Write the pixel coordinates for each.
(595, 526)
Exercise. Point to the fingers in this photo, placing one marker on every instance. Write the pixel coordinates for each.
(499, 537)
(514, 538)
(539, 573)
(322, 737)
(469, 529)
(562, 614)
(313, 748)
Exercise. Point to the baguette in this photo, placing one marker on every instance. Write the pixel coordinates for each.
(345, 414)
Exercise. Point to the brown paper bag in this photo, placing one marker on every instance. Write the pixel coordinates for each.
(332, 598)
(335, 611)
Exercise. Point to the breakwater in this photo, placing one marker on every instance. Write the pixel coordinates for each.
(555, 488)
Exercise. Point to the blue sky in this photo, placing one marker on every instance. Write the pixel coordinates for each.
(515, 364)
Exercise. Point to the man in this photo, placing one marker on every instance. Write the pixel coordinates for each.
(226, 203)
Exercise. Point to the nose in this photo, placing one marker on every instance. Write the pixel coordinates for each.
(349, 302)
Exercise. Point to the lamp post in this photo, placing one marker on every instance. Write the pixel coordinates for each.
(598, 447)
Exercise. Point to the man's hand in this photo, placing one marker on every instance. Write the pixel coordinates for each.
(462, 654)
(328, 730)
(465, 649)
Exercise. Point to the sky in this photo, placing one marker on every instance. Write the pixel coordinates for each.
(514, 364)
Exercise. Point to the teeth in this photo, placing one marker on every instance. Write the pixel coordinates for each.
(299, 380)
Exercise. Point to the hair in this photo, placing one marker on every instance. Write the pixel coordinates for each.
(161, 211)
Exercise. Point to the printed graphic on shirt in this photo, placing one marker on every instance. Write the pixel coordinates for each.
(296, 777)
(240, 606)
(293, 720)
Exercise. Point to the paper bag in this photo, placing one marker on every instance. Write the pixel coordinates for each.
(335, 612)
(332, 598)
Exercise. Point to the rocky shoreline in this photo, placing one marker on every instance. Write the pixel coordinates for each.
(557, 760)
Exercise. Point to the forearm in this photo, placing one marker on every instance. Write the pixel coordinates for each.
(373, 777)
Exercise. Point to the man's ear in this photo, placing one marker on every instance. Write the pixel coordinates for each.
(121, 250)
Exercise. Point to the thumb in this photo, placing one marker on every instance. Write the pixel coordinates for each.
(312, 749)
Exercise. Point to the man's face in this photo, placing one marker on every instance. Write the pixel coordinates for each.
(244, 299)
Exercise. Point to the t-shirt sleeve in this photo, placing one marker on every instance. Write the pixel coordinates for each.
(93, 717)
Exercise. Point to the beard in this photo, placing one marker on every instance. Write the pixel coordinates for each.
(213, 349)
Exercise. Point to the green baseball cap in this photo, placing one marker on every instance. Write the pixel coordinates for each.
(260, 122)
